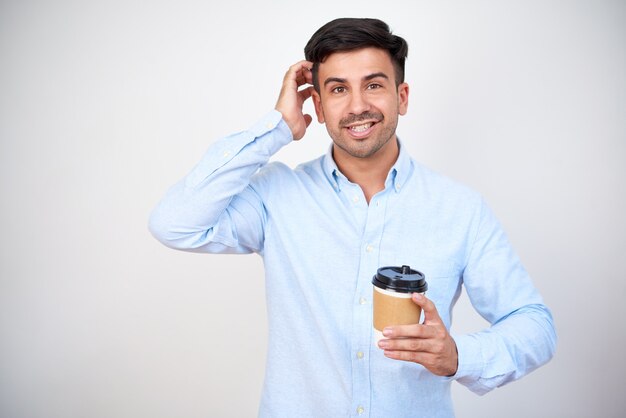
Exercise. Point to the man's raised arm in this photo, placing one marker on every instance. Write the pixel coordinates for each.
(213, 209)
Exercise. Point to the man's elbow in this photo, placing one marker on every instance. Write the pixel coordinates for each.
(161, 228)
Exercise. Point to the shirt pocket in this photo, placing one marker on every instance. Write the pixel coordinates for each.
(444, 282)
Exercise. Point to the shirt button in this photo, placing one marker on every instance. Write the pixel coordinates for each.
(269, 125)
(359, 355)
(226, 154)
(398, 187)
(362, 301)
(355, 199)
(369, 248)
(360, 410)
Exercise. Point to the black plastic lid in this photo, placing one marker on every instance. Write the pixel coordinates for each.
(400, 279)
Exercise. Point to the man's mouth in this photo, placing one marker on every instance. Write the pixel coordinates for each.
(361, 128)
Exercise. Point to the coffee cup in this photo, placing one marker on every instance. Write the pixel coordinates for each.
(393, 287)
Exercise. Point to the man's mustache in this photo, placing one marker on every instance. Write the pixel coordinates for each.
(349, 120)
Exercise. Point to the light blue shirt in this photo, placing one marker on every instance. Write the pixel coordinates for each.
(321, 244)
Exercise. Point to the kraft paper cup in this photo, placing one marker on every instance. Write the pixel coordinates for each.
(393, 287)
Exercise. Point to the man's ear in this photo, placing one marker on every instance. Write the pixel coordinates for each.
(403, 98)
(317, 102)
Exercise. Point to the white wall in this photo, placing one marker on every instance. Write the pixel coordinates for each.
(103, 105)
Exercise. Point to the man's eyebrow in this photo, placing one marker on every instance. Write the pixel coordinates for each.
(376, 75)
(366, 78)
(334, 80)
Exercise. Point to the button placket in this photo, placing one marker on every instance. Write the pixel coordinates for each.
(362, 319)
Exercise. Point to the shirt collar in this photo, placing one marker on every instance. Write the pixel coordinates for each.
(396, 179)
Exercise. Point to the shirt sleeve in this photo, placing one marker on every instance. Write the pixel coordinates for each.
(522, 335)
(214, 209)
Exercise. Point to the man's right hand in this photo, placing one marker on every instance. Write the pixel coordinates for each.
(291, 99)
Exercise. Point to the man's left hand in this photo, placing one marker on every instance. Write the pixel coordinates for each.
(428, 344)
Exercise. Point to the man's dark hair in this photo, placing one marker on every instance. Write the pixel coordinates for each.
(348, 34)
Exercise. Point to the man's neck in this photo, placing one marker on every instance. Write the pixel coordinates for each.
(371, 172)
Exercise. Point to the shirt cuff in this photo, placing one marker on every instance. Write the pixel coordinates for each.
(469, 357)
(483, 365)
(273, 121)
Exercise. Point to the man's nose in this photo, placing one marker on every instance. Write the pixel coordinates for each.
(358, 103)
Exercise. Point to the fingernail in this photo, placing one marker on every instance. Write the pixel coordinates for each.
(383, 344)
(418, 296)
(387, 332)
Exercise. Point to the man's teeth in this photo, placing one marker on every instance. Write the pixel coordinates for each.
(361, 128)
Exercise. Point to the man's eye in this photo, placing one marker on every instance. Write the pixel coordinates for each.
(339, 89)
(374, 86)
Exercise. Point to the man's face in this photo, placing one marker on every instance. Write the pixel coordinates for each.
(359, 101)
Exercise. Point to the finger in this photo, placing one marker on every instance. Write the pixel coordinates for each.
(440, 357)
(308, 74)
(408, 344)
(416, 357)
(305, 93)
(298, 66)
(435, 364)
(304, 77)
(298, 70)
(307, 64)
(431, 315)
(409, 331)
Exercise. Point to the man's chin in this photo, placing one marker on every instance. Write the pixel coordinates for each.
(357, 148)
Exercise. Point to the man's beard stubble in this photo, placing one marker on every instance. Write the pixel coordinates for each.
(367, 147)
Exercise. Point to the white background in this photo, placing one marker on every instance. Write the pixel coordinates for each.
(104, 105)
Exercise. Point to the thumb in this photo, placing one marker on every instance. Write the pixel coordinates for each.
(431, 315)
(307, 119)
(297, 135)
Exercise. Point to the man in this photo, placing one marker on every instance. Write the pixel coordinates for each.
(324, 229)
